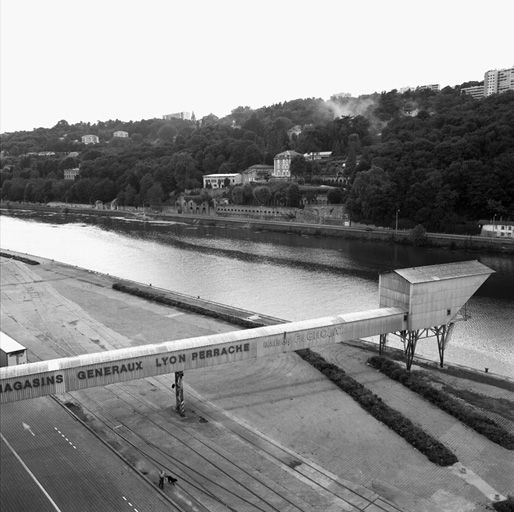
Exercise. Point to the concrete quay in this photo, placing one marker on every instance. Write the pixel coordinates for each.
(271, 435)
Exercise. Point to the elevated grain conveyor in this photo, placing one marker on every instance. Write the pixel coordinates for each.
(413, 302)
(432, 296)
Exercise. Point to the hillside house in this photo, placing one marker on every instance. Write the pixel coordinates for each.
(90, 139)
(71, 174)
(497, 228)
(319, 155)
(282, 164)
(220, 180)
(258, 173)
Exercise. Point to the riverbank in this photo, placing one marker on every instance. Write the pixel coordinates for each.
(279, 403)
(466, 242)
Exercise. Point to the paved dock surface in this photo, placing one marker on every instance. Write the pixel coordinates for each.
(270, 435)
(51, 462)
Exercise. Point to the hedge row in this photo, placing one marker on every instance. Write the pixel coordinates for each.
(426, 444)
(19, 258)
(195, 308)
(473, 419)
(505, 505)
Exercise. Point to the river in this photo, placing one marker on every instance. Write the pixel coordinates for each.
(288, 276)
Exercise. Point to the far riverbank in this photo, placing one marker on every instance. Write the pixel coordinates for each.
(452, 241)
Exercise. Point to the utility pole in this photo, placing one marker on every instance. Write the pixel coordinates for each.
(396, 222)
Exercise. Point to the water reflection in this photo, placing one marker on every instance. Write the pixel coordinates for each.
(288, 276)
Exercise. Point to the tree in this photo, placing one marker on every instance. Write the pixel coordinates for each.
(293, 195)
(299, 167)
(185, 170)
(262, 195)
(351, 158)
(136, 138)
(68, 163)
(28, 193)
(247, 194)
(335, 196)
(81, 191)
(237, 195)
(104, 190)
(255, 125)
(144, 185)
(129, 197)
(155, 194)
(417, 235)
(371, 196)
(252, 155)
(167, 132)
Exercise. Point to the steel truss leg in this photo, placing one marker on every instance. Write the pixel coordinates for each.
(179, 393)
(443, 334)
(410, 349)
(382, 343)
(403, 337)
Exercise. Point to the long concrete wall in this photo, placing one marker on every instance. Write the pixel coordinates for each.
(467, 242)
(70, 374)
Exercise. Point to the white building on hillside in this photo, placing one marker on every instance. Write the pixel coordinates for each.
(475, 91)
(282, 164)
(71, 174)
(257, 173)
(320, 155)
(178, 115)
(120, 134)
(90, 139)
(497, 81)
(497, 228)
(220, 180)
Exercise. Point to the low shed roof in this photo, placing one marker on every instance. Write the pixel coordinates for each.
(444, 271)
(8, 345)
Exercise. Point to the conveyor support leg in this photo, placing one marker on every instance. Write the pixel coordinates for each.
(179, 393)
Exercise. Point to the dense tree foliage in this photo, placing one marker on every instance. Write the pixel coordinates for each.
(438, 158)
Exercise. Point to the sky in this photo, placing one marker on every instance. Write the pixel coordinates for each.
(90, 60)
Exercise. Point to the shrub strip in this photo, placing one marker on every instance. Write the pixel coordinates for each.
(473, 419)
(434, 450)
(188, 306)
(18, 258)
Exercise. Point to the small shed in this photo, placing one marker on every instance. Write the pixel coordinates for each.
(11, 352)
(432, 295)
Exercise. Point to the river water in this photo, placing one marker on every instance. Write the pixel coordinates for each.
(288, 276)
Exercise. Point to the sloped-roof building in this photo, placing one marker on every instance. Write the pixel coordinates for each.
(282, 164)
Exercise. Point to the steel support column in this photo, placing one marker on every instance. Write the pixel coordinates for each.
(443, 334)
(179, 393)
(410, 348)
(382, 343)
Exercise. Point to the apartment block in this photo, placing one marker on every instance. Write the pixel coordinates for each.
(178, 115)
(497, 81)
(475, 91)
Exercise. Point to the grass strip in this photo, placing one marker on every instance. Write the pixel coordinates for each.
(434, 450)
(473, 419)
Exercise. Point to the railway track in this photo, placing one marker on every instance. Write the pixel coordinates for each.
(243, 487)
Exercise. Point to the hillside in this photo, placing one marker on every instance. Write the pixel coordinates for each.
(441, 158)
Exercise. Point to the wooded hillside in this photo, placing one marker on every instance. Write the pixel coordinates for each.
(441, 158)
